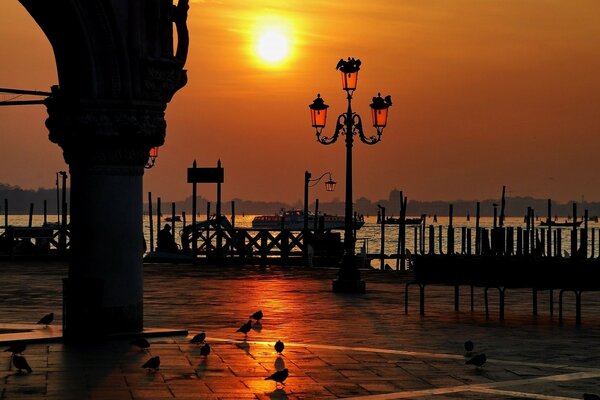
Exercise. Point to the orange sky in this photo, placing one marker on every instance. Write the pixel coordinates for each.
(485, 93)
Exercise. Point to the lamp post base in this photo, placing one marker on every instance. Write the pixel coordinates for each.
(348, 286)
(348, 280)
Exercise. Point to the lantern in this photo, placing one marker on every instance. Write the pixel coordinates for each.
(379, 110)
(330, 185)
(349, 70)
(318, 113)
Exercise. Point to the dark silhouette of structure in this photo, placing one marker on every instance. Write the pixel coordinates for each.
(117, 71)
(349, 124)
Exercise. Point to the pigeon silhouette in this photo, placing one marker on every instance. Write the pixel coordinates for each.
(279, 346)
(477, 360)
(590, 396)
(152, 363)
(257, 315)
(469, 346)
(205, 350)
(46, 319)
(20, 363)
(16, 348)
(141, 343)
(278, 376)
(199, 338)
(245, 328)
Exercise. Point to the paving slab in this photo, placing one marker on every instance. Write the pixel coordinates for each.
(337, 346)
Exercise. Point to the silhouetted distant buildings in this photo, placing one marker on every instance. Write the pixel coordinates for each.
(19, 200)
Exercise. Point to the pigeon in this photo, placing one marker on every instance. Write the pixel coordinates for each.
(590, 396)
(205, 350)
(21, 363)
(477, 360)
(469, 346)
(199, 338)
(46, 319)
(257, 315)
(245, 328)
(278, 376)
(141, 343)
(279, 346)
(16, 348)
(152, 363)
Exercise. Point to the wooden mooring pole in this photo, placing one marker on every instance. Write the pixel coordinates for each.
(477, 229)
(173, 220)
(450, 240)
(549, 229)
(232, 213)
(574, 232)
(400, 244)
(158, 215)
(316, 221)
(194, 212)
(5, 214)
(30, 215)
(382, 240)
(431, 239)
(218, 220)
(151, 221)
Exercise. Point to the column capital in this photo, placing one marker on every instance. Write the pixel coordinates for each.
(102, 132)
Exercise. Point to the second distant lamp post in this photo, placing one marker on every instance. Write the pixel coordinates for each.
(349, 124)
(329, 186)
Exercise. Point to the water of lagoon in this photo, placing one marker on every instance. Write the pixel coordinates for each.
(368, 236)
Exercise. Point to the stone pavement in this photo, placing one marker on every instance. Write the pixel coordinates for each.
(337, 346)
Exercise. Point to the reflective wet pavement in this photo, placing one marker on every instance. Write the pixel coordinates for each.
(337, 346)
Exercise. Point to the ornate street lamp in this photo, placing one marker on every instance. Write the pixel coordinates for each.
(329, 186)
(349, 124)
(152, 158)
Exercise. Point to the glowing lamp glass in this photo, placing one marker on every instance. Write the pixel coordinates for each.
(330, 185)
(349, 80)
(319, 118)
(318, 112)
(379, 117)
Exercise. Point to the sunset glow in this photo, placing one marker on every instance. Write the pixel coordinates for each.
(483, 91)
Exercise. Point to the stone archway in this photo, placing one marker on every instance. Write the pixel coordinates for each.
(117, 71)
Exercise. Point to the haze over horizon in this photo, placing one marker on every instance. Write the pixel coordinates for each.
(493, 93)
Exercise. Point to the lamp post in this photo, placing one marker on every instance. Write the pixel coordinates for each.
(152, 156)
(349, 124)
(329, 186)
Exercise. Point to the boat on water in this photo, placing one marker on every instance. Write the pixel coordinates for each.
(407, 221)
(559, 224)
(294, 220)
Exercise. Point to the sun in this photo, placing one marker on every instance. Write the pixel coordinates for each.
(272, 46)
(272, 41)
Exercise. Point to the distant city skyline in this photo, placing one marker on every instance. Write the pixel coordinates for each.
(20, 200)
(486, 93)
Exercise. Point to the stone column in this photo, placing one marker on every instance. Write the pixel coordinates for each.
(117, 72)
